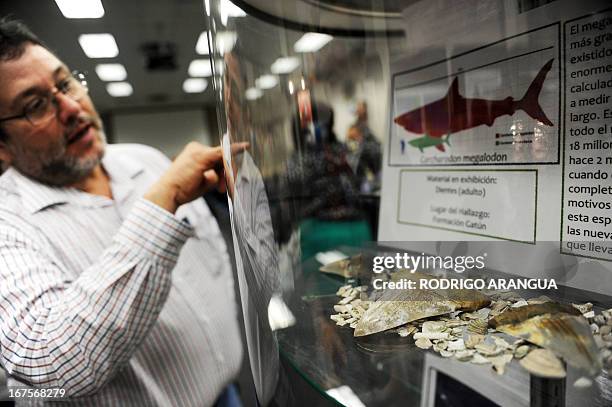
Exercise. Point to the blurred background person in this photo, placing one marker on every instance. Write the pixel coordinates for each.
(320, 174)
(365, 151)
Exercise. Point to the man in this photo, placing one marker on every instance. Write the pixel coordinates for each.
(115, 284)
(366, 155)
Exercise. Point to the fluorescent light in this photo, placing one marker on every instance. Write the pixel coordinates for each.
(195, 85)
(311, 42)
(291, 88)
(119, 89)
(111, 72)
(207, 7)
(200, 67)
(229, 9)
(253, 93)
(80, 8)
(285, 65)
(99, 45)
(266, 81)
(219, 67)
(202, 47)
(225, 41)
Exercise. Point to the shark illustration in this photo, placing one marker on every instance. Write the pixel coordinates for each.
(454, 113)
(428, 141)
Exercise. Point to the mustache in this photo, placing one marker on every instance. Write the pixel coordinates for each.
(80, 121)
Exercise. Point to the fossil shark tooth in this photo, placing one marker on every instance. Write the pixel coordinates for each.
(566, 335)
(456, 345)
(543, 363)
(478, 359)
(478, 326)
(393, 310)
(423, 343)
(398, 307)
(464, 355)
(539, 300)
(406, 330)
(583, 308)
(471, 340)
(433, 326)
(516, 315)
(346, 268)
(521, 351)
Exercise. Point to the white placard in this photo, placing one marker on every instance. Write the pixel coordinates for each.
(495, 50)
(478, 203)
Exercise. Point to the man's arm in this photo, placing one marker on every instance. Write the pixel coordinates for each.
(76, 334)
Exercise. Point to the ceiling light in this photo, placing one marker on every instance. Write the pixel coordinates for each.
(200, 67)
(119, 89)
(207, 7)
(291, 88)
(285, 65)
(253, 93)
(202, 47)
(266, 81)
(195, 85)
(81, 8)
(219, 67)
(111, 72)
(229, 9)
(311, 42)
(99, 45)
(225, 41)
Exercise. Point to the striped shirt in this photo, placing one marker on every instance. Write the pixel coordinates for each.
(116, 301)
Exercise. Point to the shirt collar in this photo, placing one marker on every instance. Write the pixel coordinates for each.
(36, 196)
(122, 172)
(247, 167)
(120, 168)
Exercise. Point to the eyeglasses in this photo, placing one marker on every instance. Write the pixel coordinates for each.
(42, 107)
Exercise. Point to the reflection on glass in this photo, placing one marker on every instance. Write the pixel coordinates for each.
(256, 251)
(315, 99)
(309, 180)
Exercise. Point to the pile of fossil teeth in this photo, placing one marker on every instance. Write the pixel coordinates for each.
(455, 337)
(351, 307)
(466, 336)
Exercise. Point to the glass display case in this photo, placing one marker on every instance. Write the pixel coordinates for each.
(363, 123)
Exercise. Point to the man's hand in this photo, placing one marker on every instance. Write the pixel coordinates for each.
(195, 171)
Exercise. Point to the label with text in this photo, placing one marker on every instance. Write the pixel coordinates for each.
(586, 226)
(475, 202)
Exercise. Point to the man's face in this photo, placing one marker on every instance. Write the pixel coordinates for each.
(233, 89)
(64, 148)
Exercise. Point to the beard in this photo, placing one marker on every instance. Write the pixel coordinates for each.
(53, 166)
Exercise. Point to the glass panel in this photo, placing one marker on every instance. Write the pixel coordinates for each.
(320, 91)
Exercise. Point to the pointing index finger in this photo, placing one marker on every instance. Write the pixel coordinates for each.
(240, 147)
